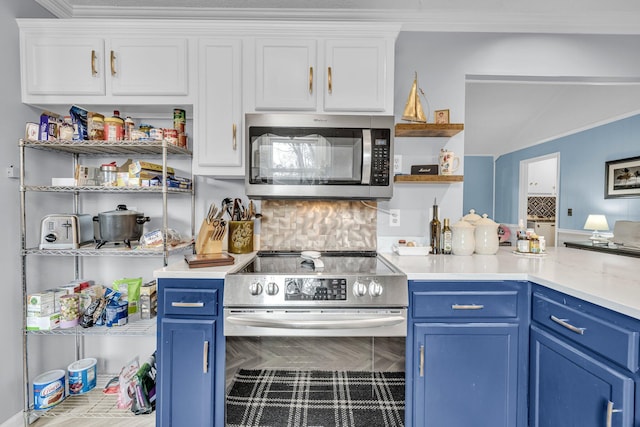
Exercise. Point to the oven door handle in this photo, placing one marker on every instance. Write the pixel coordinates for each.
(342, 323)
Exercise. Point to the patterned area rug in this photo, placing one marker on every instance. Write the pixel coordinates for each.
(275, 398)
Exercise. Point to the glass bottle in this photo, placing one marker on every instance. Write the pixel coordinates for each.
(446, 237)
(435, 228)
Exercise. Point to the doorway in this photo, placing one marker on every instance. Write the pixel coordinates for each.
(538, 193)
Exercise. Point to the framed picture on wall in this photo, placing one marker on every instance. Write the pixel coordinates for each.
(622, 178)
(441, 117)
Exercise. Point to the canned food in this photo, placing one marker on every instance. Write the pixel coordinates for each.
(48, 389)
(179, 119)
(69, 310)
(82, 375)
(171, 136)
(113, 129)
(156, 134)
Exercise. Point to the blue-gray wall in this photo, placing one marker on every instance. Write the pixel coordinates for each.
(582, 174)
(478, 185)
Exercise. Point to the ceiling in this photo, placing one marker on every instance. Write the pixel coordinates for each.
(500, 115)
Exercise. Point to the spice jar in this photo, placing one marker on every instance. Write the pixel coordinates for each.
(108, 175)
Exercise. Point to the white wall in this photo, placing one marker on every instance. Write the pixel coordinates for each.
(12, 115)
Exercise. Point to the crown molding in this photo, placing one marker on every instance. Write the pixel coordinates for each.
(583, 21)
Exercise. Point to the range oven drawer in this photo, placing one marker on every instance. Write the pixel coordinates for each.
(191, 302)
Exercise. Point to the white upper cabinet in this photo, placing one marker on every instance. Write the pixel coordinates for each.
(332, 70)
(286, 74)
(218, 148)
(541, 177)
(93, 63)
(356, 75)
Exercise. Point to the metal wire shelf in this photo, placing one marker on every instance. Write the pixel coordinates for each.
(93, 404)
(134, 328)
(100, 148)
(121, 250)
(99, 189)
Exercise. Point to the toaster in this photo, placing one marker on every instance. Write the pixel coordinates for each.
(66, 231)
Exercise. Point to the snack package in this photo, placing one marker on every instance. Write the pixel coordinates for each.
(126, 386)
(130, 290)
(79, 121)
(144, 387)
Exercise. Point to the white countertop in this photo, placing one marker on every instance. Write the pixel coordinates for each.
(181, 270)
(611, 281)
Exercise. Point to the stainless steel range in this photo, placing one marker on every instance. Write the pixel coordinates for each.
(333, 294)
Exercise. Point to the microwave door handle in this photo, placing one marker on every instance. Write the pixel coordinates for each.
(366, 156)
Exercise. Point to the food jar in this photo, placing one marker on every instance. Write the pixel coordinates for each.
(462, 238)
(108, 175)
(486, 235)
(113, 129)
(69, 310)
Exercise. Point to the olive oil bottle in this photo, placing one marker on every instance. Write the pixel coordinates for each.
(446, 237)
(435, 228)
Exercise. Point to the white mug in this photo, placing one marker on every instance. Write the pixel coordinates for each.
(449, 162)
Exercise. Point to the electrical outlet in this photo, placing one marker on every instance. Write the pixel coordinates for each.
(394, 217)
(12, 172)
(569, 212)
(397, 164)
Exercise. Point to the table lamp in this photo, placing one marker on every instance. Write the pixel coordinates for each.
(596, 223)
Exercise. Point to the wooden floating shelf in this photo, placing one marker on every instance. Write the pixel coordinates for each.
(428, 129)
(426, 179)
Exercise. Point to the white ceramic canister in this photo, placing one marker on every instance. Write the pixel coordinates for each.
(486, 235)
(472, 217)
(462, 238)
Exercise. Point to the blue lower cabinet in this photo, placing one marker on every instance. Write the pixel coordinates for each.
(190, 386)
(465, 375)
(571, 388)
(467, 353)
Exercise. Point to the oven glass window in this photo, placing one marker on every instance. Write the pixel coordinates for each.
(308, 156)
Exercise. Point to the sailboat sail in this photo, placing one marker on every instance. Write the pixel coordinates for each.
(413, 110)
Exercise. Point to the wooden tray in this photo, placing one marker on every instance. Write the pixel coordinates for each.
(209, 260)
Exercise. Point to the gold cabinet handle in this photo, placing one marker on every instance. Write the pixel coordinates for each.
(235, 142)
(422, 360)
(310, 80)
(93, 63)
(205, 357)
(113, 63)
(330, 80)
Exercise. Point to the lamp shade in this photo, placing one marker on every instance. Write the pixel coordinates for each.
(596, 223)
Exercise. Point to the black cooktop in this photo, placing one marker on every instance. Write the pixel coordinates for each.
(335, 263)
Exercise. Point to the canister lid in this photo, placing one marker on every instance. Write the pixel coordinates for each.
(485, 220)
(472, 217)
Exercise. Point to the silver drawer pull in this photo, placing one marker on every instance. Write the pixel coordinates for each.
(569, 326)
(467, 306)
(422, 361)
(610, 412)
(205, 357)
(188, 304)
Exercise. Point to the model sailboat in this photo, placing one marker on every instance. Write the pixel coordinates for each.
(413, 110)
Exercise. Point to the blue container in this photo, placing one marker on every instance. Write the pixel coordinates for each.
(48, 389)
(82, 375)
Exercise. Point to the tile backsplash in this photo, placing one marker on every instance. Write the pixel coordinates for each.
(541, 206)
(322, 225)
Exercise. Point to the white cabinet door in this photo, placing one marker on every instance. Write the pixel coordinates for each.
(218, 141)
(53, 65)
(541, 177)
(286, 74)
(356, 75)
(147, 66)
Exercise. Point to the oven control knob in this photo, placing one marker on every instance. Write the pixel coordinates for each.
(255, 288)
(359, 289)
(272, 288)
(375, 289)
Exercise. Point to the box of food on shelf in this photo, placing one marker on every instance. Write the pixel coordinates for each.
(40, 304)
(43, 323)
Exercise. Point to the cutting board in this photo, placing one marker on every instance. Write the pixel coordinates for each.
(208, 260)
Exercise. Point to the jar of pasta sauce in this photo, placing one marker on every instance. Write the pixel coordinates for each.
(114, 127)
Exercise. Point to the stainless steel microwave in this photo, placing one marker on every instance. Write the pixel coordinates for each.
(319, 156)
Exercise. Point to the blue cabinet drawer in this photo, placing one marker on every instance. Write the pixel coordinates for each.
(465, 304)
(190, 302)
(613, 340)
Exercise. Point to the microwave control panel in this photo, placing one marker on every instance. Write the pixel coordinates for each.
(380, 157)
